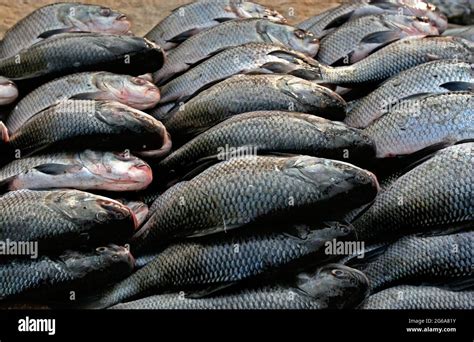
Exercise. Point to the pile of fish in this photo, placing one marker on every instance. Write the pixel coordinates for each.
(229, 160)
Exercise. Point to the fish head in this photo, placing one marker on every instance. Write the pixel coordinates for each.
(140, 210)
(335, 285)
(419, 8)
(288, 36)
(247, 9)
(121, 171)
(8, 91)
(135, 92)
(92, 18)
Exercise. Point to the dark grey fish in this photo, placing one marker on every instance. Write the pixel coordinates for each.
(420, 123)
(270, 132)
(190, 19)
(407, 297)
(236, 95)
(434, 195)
(429, 78)
(208, 265)
(230, 34)
(60, 18)
(331, 287)
(64, 219)
(417, 259)
(132, 91)
(241, 190)
(46, 276)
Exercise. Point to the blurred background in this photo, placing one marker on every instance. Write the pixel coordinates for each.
(146, 13)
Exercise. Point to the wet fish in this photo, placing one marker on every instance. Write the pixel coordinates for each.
(230, 34)
(67, 53)
(417, 259)
(434, 195)
(95, 124)
(209, 265)
(132, 91)
(356, 39)
(407, 297)
(60, 18)
(433, 77)
(270, 132)
(86, 170)
(275, 92)
(457, 11)
(396, 57)
(251, 57)
(63, 219)
(242, 190)
(466, 32)
(8, 91)
(45, 276)
(420, 123)
(190, 19)
(333, 286)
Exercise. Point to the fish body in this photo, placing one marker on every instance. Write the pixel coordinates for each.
(95, 124)
(63, 219)
(419, 123)
(271, 132)
(236, 95)
(466, 32)
(230, 34)
(332, 286)
(457, 11)
(436, 194)
(60, 18)
(8, 91)
(190, 19)
(407, 297)
(132, 91)
(85, 170)
(429, 78)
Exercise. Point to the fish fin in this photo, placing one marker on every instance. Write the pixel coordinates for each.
(57, 169)
(86, 96)
(381, 37)
(183, 36)
(192, 65)
(339, 20)
(50, 33)
(287, 56)
(278, 68)
(204, 87)
(213, 230)
(210, 290)
(458, 86)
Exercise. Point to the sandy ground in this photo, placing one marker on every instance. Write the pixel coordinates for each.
(146, 13)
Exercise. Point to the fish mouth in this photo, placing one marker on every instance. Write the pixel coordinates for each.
(122, 17)
(8, 92)
(120, 211)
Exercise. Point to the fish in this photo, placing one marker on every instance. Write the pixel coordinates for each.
(326, 22)
(429, 78)
(435, 195)
(269, 132)
(47, 275)
(466, 32)
(417, 124)
(247, 58)
(68, 53)
(457, 11)
(230, 34)
(53, 19)
(64, 219)
(397, 57)
(243, 190)
(409, 297)
(8, 91)
(356, 39)
(209, 265)
(421, 259)
(331, 287)
(236, 95)
(86, 124)
(132, 91)
(190, 19)
(85, 170)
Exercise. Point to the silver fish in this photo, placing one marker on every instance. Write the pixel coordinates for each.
(8, 91)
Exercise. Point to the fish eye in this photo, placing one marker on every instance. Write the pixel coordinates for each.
(105, 12)
(300, 34)
(138, 81)
(101, 249)
(345, 229)
(338, 273)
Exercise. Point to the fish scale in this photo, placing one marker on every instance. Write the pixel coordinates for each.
(425, 78)
(427, 259)
(419, 123)
(407, 297)
(436, 194)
